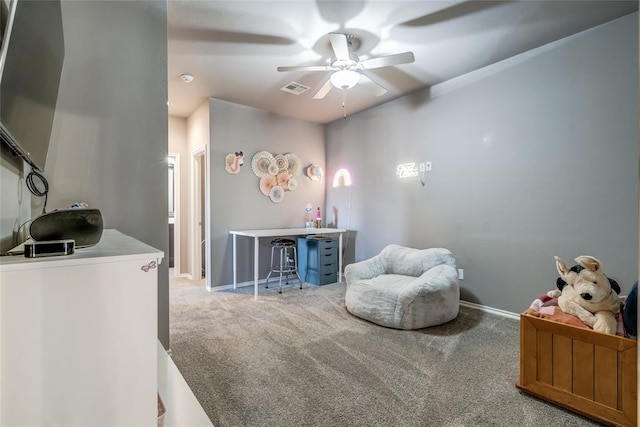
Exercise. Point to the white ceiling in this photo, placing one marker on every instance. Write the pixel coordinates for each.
(233, 48)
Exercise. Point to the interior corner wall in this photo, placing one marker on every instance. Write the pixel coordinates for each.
(197, 138)
(109, 137)
(198, 127)
(236, 200)
(532, 158)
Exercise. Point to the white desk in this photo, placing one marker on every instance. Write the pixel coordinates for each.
(279, 232)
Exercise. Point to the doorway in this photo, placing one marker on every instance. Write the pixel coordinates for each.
(200, 228)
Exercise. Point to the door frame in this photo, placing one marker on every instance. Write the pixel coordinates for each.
(176, 214)
(196, 243)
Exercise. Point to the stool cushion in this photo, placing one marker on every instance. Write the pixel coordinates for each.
(404, 288)
(282, 242)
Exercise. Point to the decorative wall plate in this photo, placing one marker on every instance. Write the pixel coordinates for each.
(283, 179)
(260, 163)
(276, 172)
(266, 184)
(281, 162)
(295, 165)
(314, 172)
(292, 184)
(273, 169)
(277, 194)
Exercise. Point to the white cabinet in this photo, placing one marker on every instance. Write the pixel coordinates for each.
(78, 336)
(183, 409)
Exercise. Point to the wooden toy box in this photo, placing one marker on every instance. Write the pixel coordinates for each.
(588, 372)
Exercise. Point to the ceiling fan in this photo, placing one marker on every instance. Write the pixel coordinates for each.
(347, 68)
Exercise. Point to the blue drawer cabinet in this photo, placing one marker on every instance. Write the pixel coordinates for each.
(318, 260)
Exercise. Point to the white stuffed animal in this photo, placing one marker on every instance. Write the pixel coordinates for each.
(588, 294)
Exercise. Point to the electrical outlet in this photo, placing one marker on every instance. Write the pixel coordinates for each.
(427, 166)
(422, 167)
(460, 274)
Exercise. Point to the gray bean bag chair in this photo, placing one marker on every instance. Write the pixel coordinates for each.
(404, 288)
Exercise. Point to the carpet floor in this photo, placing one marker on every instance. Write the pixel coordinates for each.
(300, 359)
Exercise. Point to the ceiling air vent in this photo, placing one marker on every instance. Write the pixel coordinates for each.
(294, 88)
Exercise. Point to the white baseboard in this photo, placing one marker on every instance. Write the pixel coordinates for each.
(491, 310)
(484, 308)
(249, 283)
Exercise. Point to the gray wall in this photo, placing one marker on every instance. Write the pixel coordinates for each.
(15, 199)
(109, 142)
(533, 157)
(236, 200)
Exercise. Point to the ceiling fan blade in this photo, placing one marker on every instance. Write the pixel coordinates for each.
(386, 61)
(372, 85)
(454, 10)
(324, 90)
(306, 68)
(340, 46)
(220, 36)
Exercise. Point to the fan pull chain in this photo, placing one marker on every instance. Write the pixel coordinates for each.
(344, 103)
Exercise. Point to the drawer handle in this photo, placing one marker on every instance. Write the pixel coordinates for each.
(146, 267)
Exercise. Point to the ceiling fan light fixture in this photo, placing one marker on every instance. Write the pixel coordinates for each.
(345, 79)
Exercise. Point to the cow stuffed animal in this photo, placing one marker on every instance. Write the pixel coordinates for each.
(588, 294)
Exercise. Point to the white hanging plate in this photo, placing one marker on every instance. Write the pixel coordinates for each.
(260, 163)
(277, 194)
